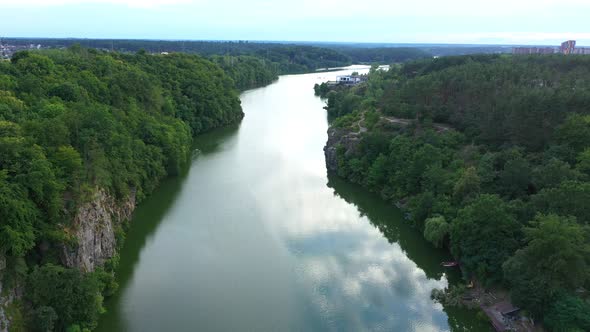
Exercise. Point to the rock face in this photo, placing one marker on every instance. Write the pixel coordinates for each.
(7, 296)
(94, 227)
(4, 300)
(343, 138)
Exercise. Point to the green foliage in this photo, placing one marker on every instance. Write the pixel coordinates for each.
(497, 100)
(73, 296)
(348, 121)
(575, 132)
(452, 296)
(321, 89)
(583, 164)
(383, 55)
(468, 185)
(483, 236)
(15, 310)
(436, 230)
(371, 119)
(568, 314)
(553, 173)
(248, 71)
(340, 103)
(568, 199)
(76, 121)
(515, 177)
(487, 143)
(18, 215)
(44, 319)
(556, 258)
(106, 279)
(77, 328)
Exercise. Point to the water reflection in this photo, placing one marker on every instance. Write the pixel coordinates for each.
(256, 237)
(359, 280)
(427, 259)
(146, 220)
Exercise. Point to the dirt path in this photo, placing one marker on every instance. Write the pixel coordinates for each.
(439, 127)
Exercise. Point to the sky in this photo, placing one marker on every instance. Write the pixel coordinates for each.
(538, 22)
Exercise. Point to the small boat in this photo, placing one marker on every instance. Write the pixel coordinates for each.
(449, 264)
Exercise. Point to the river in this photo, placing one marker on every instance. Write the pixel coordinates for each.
(255, 236)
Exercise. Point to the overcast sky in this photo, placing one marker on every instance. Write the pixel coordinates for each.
(395, 21)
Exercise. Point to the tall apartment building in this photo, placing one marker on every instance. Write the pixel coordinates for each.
(568, 47)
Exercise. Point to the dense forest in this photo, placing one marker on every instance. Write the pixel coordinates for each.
(490, 157)
(76, 121)
(278, 58)
(285, 58)
(360, 52)
(248, 72)
(383, 55)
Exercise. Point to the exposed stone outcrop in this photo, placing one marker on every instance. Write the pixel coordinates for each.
(7, 296)
(339, 137)
(94, 228)
(4, 300)
(349, 138)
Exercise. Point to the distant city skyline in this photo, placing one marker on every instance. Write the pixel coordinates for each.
(525, 22)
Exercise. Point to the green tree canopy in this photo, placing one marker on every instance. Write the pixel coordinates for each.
(483, 236)
(436, 229)
(556, 258)
(73, 296)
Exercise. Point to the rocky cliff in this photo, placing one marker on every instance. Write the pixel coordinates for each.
(94, 228)
(4, 300)
(343, 138)
(349, 137)
(7, 297)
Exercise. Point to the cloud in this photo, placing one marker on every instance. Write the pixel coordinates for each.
(340, 8)
(128, 3)
(541, 38)
(417, 21)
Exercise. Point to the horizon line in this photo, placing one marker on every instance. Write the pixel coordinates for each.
(285, 41)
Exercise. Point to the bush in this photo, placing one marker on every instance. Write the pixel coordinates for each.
(73, 296)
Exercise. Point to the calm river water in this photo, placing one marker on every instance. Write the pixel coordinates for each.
(257, 237)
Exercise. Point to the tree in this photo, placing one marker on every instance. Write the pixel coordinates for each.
(568, 314)
(17, 216)
(556, 258)
(583, 164)
(68, 164)
(575, 132)
(568, 199)
(483, 236)
(377, 174)
(74, 296)
(515, 177)
(436, 230)
(44, 319)
(421, 206)
(553, 173)
(76, 121)
(468, 185)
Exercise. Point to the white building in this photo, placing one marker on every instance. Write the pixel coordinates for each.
(347, 79)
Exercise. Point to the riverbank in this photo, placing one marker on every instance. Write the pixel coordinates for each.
(494, 191)
(253, 221)
(108, 127)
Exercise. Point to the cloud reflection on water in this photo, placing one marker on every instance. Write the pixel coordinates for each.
(358, 280)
